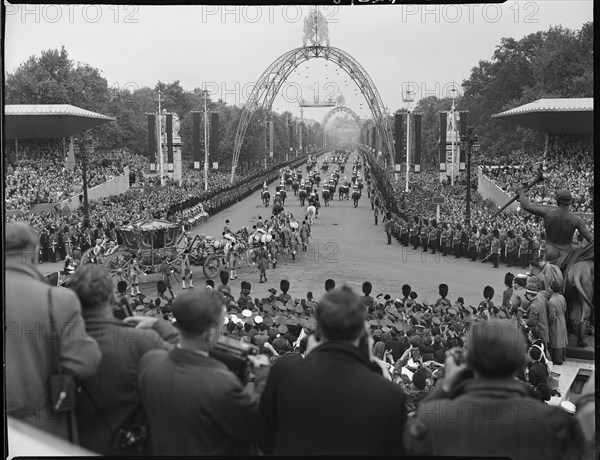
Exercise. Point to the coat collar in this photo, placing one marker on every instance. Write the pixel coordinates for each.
(25, 268)
(187, 356)
(504, 387)
(346, 349)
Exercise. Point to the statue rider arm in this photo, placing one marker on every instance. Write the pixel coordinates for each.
(583, 229)
(541, 211)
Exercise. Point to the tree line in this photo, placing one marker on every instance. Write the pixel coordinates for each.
(546, 64)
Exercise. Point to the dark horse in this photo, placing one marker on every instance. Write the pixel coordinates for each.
(265, 196)
(302, 196)
(355, 197)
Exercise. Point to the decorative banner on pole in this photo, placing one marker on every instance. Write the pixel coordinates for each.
(399, 140)
(197, 150)
(463, 132)
(442, 141)
(417, 142)
(271, 138)
(152, 137)
(368, 138)
(169, 129)
(214, 139)
(291, 130)
(300, 136)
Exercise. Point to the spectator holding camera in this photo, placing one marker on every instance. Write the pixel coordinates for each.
(342, 403)
(109, 400)
(195, 404)
(481, 410)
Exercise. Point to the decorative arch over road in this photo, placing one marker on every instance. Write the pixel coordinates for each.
(268, 85)
(338, 109)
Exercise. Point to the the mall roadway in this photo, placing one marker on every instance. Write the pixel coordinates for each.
(347, 247)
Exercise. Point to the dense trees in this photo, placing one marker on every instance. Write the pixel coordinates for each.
(53, 78)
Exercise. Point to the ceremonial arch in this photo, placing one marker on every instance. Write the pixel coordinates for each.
(339, 109)
(270, 82)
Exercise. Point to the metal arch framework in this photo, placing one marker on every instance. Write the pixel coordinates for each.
(335, 110)
(268, 85)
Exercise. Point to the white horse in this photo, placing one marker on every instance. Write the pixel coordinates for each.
(311, 212)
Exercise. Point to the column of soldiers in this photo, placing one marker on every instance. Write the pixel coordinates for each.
(496, 246)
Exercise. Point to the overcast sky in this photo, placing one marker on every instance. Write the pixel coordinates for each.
(228, 48)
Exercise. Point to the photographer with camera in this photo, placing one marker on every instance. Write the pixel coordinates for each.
(195, 404)
(481, 409)
(109, 407)
(335, 400)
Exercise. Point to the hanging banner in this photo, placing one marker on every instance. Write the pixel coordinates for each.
(214, 138)
(417, 117)
(151, 152)
(399, 139)
(169, 130)
(443, 131)
(197, 149)
(271, 138)
(463, 132)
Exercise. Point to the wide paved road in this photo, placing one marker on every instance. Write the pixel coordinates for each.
(347, 247)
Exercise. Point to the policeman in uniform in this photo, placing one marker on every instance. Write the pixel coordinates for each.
(444, 239)
(523, 250)
(432, 242)
(226, 228)
(404, 234)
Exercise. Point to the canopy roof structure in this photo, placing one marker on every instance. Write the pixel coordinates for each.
(554, 116)
(48, 121)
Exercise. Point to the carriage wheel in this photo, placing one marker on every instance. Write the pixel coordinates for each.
(118, 266)
(212, 266)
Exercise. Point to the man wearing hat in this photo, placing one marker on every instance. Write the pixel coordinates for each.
(358, 411)
(560, 225)
(537, 315)
(187, 392)
(33, 310)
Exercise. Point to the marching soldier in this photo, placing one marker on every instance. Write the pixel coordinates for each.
(456, 241)
(495, 247)
(53, 245)
(510, 248)
(432, 241)
(444, 239)
(523, 250)
(414, 234)
(186, 268)
(134, 275)
(424, 234)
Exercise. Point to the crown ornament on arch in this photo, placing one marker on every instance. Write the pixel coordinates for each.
(316, 30)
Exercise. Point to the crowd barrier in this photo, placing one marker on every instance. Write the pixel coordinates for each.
(115, 186)
(490, 191)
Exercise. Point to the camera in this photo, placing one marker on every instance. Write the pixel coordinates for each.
(234, 354)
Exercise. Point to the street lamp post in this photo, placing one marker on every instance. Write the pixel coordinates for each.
(79, 147)
(453, 90)
(469, 142)
(205, 92)
(408, 100)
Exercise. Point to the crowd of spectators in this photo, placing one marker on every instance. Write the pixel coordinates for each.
(569, 163)
(187, 205)
(410, 212)
(41, 173)
(333, 360)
